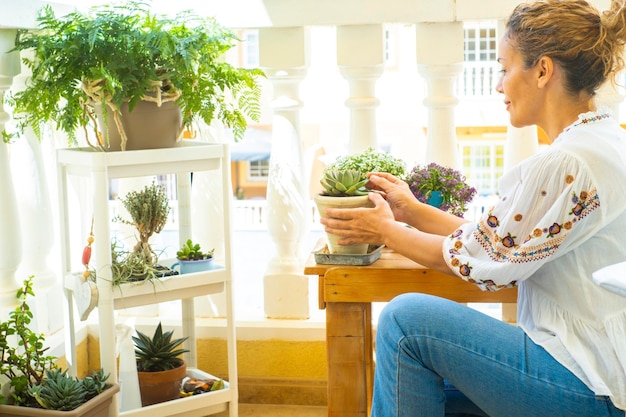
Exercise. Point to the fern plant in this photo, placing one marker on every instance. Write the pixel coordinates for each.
(125, 53)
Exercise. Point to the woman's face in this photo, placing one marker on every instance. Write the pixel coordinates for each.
(519, 86)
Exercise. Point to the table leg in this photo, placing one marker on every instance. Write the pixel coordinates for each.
(350, 370)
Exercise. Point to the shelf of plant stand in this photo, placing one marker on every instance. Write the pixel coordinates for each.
(194, 406)
(176, 287)
(197, 156)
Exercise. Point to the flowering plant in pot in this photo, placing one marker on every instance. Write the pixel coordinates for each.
(36, 385)
(343, 182)
(113, 60)
(441, 186)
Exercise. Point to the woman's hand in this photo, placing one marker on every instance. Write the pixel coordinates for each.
(397, 193)
(360, 225)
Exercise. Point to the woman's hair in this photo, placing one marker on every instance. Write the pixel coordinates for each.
(587, 45)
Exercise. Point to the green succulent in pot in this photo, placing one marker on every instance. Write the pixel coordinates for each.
(344, 186)
(160, 369)
(121, 55)
(193, 252)
(339, 183)
(159, 352)
(34, 378)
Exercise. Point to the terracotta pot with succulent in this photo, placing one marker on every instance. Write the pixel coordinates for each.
(33, 385)
(343, 183)
(160, 368)
(191, 258)
(116, 61)
(442, 187)
(148, 210)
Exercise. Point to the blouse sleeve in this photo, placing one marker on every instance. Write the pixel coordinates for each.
(546, 209)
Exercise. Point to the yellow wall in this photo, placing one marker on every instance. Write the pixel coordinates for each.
(269, 371)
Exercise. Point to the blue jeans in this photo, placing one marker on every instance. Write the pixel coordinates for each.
(436, 358)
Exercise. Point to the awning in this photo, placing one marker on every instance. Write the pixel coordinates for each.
(255, 146)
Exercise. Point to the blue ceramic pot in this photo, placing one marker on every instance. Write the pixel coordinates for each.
(435, 199)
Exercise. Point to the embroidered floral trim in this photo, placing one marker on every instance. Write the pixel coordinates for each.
(506, 249)
(588, 118)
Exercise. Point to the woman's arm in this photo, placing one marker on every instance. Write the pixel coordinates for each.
(407, 209)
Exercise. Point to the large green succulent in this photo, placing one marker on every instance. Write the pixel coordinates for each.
(61, 392)
(159, 352)
(347, 182)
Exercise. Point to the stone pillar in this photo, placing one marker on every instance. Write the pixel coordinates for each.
(360, 57)
(439, 54)
(284, 55)
(11, 243)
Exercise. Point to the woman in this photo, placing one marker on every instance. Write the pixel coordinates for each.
(561, 216)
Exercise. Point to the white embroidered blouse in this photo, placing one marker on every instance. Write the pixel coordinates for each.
(561, 216)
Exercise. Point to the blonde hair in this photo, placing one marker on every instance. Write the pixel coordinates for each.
(587, 45)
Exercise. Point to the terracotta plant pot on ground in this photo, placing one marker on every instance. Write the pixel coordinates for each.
(323, 202)
(160, 386)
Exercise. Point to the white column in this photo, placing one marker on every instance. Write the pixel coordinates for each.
(520, 144)
(284, 56)
(439, 54)
(36, 217)
(10, 243)
(360, 57)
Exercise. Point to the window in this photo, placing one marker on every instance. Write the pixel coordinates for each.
(483, 164)
(250, 49)
(258, 170)
(480, 73)
(391, 45)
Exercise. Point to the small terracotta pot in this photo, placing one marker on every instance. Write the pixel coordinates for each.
(161, 386)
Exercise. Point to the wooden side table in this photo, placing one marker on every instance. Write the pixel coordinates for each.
(347, 293)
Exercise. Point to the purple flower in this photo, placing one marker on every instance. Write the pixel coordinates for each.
(456, 193)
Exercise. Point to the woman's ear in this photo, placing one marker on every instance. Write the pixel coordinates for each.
(545, 71)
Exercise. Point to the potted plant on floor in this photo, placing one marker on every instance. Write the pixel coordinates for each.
(343, 183)
(442, 187)
(35, 386)
(191, 258)
(160, 368)
(93, 71)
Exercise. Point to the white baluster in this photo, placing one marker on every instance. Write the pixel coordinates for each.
(10, 243)
(440, 61)
(361, 62)
(284, 54)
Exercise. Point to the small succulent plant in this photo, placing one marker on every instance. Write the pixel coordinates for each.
(347, 182)
(61, 392)
(159, 352)
(192, 252)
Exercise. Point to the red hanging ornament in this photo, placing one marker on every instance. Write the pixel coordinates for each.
(87, 253)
